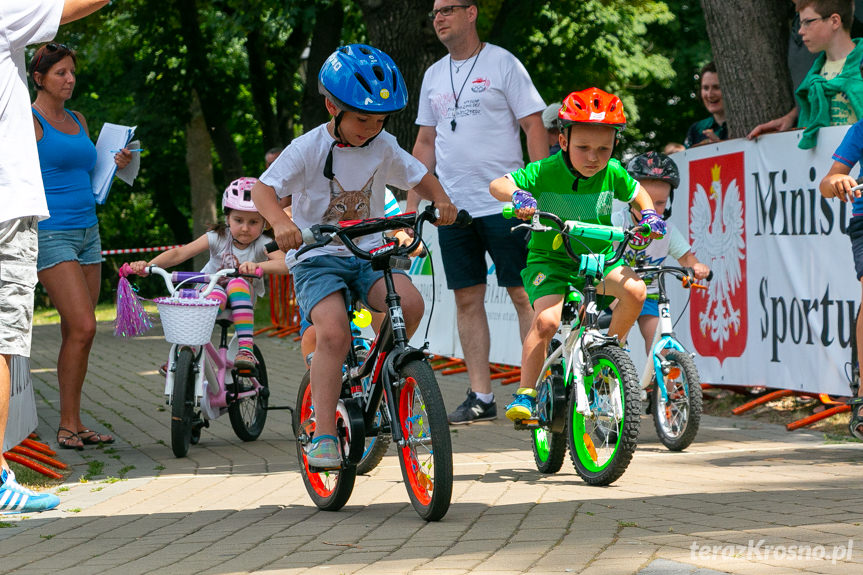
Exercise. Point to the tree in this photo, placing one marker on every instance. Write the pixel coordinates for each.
(389, 26)
(752, 38)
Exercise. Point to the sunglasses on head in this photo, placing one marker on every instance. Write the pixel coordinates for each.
(51, 47)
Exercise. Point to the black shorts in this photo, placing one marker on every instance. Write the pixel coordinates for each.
(463, 252)
(855, 232)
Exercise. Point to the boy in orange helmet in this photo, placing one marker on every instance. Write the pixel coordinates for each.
(577, 183)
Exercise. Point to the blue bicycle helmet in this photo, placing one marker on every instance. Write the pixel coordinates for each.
(363, 79)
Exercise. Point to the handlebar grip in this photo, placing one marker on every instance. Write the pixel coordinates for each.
(259, 272)
(508, 211)
(271, 246)
(709, 276)
(309, 236)
(462, 219)
(125, 270)
(645, 230)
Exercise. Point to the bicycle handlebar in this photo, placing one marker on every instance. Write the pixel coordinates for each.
(320, 235)
(179, 278)
(686, 275)
(573, 228)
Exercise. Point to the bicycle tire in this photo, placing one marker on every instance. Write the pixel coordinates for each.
(854, 384)
(375, 446)
(549, 446)
(677, 420)
(249, 415)
(615, 437)
(426, 456)
(183, 402)
(329, 490)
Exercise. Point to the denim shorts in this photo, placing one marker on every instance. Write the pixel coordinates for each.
(463, 252)
(855, 232)
(18, 246)
(319, 276)
(58, 246)
(650, 307)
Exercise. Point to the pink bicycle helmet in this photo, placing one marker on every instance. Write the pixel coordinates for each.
(238, 195)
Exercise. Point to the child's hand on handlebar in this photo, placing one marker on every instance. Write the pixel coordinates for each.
(524, 204)
(287, 235)
(657, 224)
(248, 268)
(404, 238)
(139, 267)
(700, 270)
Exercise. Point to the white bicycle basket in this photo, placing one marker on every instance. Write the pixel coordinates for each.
(187, 320)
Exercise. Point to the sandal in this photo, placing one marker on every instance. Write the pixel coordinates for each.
(855, 426)
(69, 441)
(90, 437)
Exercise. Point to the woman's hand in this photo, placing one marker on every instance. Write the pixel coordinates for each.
(122, 158)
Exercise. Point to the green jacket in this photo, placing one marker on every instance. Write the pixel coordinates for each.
(814, 94)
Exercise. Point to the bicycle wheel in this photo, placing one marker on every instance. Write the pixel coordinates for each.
(677, 419)
(330, 489)
(601, 444)
(183, 402)
(547, 444)
(248, 415)
(426, 457)
(375, 446)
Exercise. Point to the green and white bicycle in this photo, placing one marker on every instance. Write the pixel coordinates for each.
(588, 388)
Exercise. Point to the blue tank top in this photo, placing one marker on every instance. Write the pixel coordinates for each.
(66, 162)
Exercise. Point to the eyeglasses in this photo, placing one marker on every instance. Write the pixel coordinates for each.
(51, 47)
(804, 24)
(446, 11)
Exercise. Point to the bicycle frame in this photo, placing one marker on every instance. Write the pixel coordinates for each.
(211, 363)
(663, 337)
(390, 349)
(580, 335)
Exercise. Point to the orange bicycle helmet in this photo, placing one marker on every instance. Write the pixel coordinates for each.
(592, 106)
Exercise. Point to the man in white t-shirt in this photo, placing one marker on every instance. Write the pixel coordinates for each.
(22, 22)
(472, 103)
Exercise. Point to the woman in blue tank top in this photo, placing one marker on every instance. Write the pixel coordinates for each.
(70, 260)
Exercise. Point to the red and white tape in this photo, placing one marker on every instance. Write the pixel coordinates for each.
(138, 250)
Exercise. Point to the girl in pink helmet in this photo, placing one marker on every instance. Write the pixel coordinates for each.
(237, 243)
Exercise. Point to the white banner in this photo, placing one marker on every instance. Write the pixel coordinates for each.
(22, 406)
(779, 312)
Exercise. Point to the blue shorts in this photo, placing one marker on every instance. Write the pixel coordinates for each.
(319, 276)
(855, 232)
(304, 323)
(58, 246)
(651, 307)
(463, 252)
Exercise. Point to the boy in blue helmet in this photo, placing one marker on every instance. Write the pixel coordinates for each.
(338, 171)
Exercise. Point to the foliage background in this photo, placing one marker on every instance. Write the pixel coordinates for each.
(144, 63)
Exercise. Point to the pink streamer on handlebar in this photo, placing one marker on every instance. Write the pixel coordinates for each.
(132, 319)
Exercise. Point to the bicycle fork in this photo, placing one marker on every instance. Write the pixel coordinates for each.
(656, 364)
(578, 367)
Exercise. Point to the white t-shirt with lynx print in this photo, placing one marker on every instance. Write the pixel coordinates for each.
(357, 190)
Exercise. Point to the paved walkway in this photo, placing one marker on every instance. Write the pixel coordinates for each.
(747, 498)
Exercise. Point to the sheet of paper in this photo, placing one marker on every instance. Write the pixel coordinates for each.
(130, 172)
(112, 137)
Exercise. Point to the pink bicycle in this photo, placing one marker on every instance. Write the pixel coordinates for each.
(201, 383)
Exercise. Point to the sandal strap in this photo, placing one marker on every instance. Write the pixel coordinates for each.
(67, 430)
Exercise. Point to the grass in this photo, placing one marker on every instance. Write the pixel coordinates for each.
(32, 479)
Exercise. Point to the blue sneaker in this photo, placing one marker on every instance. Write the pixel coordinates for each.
(17, 499)
(523, 406)
(323, 452)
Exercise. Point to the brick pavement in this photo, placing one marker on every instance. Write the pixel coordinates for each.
(239, 508)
